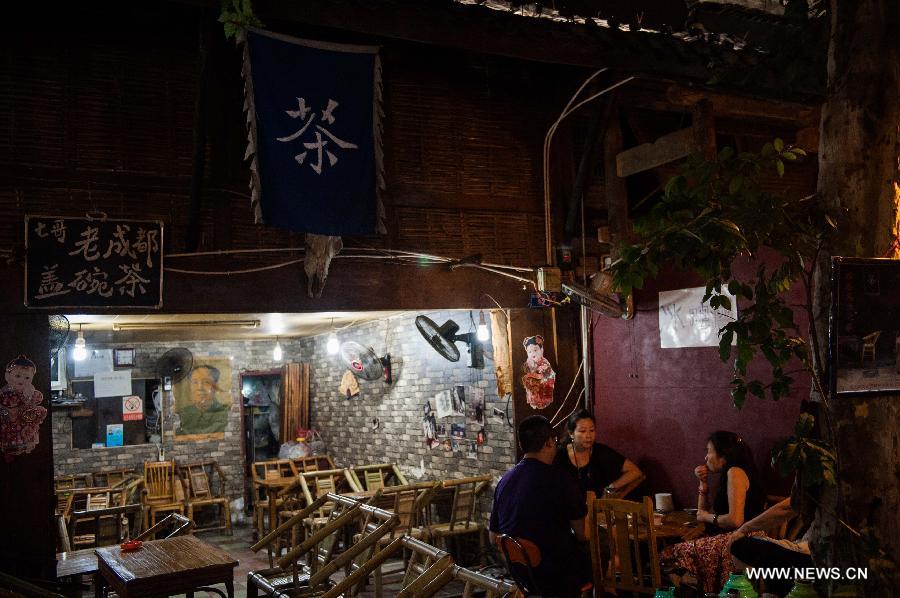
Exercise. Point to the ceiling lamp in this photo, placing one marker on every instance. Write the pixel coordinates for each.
(80, 353)
(333, 345)
(158, 325)
(482, 333)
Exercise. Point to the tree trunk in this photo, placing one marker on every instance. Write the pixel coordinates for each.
(859, 176)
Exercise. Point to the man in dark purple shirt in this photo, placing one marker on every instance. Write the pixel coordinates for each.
(543, 504)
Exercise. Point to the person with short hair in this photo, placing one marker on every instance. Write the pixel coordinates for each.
(541, 503)
(594, 465)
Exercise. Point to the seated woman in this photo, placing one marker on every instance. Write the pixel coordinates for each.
(596, 466)
(738, 498)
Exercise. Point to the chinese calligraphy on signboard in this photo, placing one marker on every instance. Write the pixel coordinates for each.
(85, 262)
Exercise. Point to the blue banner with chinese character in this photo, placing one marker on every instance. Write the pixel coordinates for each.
(313, 115)
(90, 262)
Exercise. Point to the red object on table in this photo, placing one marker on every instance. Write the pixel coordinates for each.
(131, 545)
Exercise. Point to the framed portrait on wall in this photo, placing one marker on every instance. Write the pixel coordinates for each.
(864, 334)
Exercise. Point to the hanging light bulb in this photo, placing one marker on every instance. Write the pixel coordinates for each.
(483, 333)
(333, 345)
(277, 353)
(80, 353)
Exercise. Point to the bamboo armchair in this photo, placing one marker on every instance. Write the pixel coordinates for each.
(379, 475)
(290, 576)
(179, 525)
(102, 526)
(163, 491)
(200, 493)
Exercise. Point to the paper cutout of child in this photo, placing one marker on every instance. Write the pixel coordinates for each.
(21, 413)
(539, 378)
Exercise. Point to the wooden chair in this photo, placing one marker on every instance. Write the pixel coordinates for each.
(463, 520)
(200, 493)
(277, 472)
(868, 346)
(379, 475)
(163, 492)
(628, 525)
(178, 525)
(313, 463)
(486, 586)
(102, 526)
(71, 482)
(521, 556)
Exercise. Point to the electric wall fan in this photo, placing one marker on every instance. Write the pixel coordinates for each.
(599, 297)
(364, 363)
(174, 364)
(443, 340)
(59, 334)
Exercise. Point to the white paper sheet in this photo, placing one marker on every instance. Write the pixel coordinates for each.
(100, 360)
(112, 384)
(685, 321)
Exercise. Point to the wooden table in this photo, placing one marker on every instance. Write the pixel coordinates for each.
(164, 567)
(678, 526)
(76, 562)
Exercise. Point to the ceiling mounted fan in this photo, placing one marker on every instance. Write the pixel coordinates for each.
(364, 362)
(443, 339)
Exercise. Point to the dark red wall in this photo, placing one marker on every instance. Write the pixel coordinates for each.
(658, 406)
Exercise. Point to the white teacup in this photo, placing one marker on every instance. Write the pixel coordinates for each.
(664, 502)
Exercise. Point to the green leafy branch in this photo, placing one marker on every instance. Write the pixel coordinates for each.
(237, 15)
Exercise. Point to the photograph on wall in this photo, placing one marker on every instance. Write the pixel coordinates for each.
(498, 416)
(21, 412)
(446, 403)
(459, 399)
(454, 445)
(471, 450)
(429, 426)
(539, 378)
(440, 430)
(203, 400)
(475, 406)
(457, 431)
(865, 333)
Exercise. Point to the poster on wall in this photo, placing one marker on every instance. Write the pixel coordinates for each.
(539, 378)
(864, 337)
(686, 321)
(21, 412)
(203, 400)
(114, 434)
(132, 408)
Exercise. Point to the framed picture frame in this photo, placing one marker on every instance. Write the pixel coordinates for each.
(864, 331)
(123, 358)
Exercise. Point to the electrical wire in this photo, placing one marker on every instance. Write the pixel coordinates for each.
(568, 393)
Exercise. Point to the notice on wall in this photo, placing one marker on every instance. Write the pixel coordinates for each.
(132, 408)
(93, 262)
(112, 384)
(686, 321)
(97, 361)
(114, 434)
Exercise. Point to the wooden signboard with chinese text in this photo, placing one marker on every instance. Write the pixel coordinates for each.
(90, 262)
